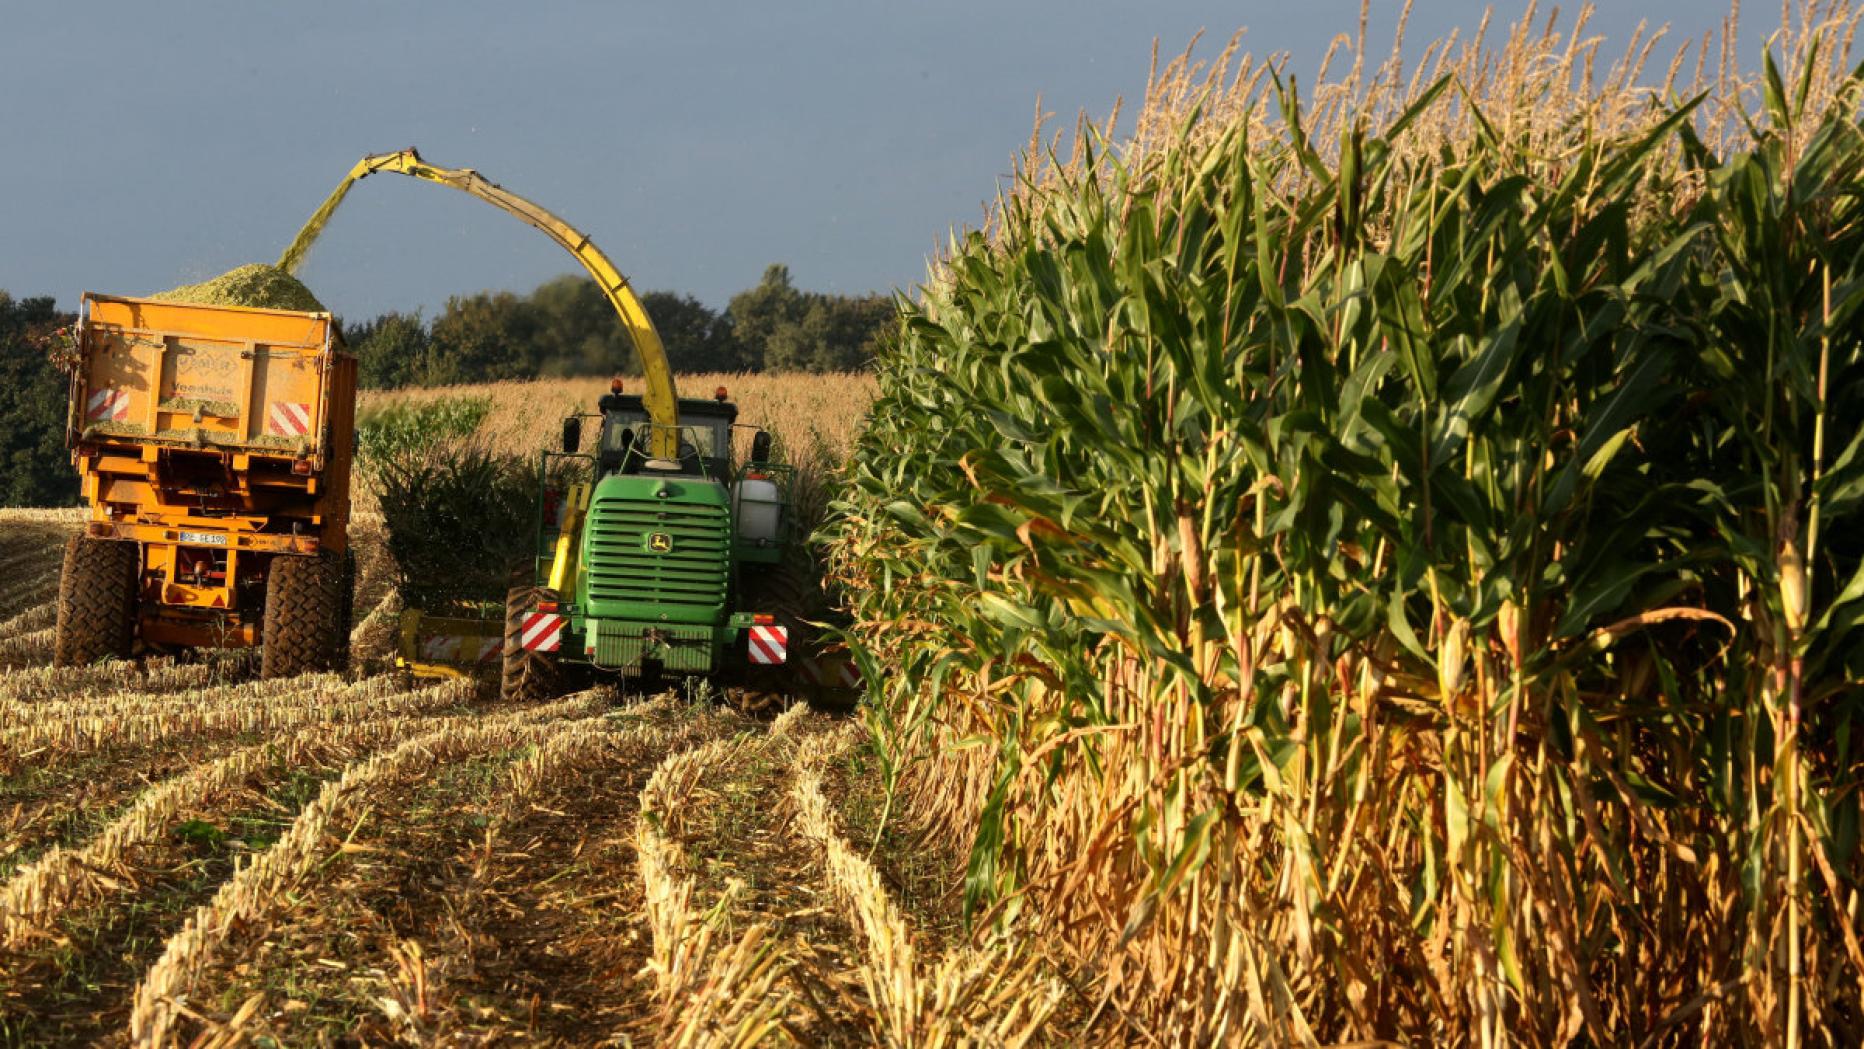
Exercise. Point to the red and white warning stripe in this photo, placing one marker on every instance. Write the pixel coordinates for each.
(492, 649)
(543, 632)
(107, 405)
(288, 419)
(770, 645)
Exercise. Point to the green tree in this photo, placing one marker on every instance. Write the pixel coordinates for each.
(578, 332)
(35, 469)
(389, 349)
(567, 327)
(697, 338)
(758, 315)
(482, 338)
(836, 333)
(784, 329)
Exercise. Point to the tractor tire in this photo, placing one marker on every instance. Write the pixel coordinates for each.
(96, 601)
(304, 632)
(528, 676)
(789, 592)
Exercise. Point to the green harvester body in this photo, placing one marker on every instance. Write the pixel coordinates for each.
(651, 567)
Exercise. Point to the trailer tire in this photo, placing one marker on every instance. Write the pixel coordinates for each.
(528, 676)
(347, 627)
(96, 601)
(304, 632)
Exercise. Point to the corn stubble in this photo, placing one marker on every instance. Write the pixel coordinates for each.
(284, 859)
(995, 996)
(260, 890)
(710, 989)
(1383, 560)
(66, 877)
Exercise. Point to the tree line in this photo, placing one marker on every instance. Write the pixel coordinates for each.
(567, 327)
(35, 469)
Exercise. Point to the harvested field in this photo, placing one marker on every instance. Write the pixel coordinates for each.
(189, 855)
(1380, 564)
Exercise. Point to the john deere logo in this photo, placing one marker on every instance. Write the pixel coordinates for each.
(660, 543)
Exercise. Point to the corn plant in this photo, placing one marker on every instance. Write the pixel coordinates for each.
(397, 431)
(460, 520)
(1349, 582)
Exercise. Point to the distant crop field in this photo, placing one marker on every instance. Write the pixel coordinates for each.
(815, 415)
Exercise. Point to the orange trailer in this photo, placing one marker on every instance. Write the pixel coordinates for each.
(214, 446)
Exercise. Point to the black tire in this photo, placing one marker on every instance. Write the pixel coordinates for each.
(528, 676)
(347, 620)
(96, 601)
(304, 632)
(793, 595)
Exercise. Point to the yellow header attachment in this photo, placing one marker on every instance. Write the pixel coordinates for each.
(660, 397)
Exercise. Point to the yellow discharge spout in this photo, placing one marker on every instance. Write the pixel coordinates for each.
(660, 398)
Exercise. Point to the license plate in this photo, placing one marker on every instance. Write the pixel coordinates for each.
(205, 538)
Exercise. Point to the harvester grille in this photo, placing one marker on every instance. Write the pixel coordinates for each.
(623, 565)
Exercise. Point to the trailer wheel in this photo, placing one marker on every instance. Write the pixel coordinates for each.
(304, 631)
(529, 676)
(96, 601)
(348, 610)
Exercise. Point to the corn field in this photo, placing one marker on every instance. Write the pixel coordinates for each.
(1384, 559)
(455, 471)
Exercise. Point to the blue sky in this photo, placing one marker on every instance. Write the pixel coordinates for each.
(147, 145)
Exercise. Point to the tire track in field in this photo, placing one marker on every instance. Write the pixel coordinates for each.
(496, 902)
(545, 934)
(962, 996)
(80, 923)
(291, 878)
(69, 772)
(746, 940)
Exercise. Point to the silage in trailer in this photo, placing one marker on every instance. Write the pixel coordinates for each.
(256, 285)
